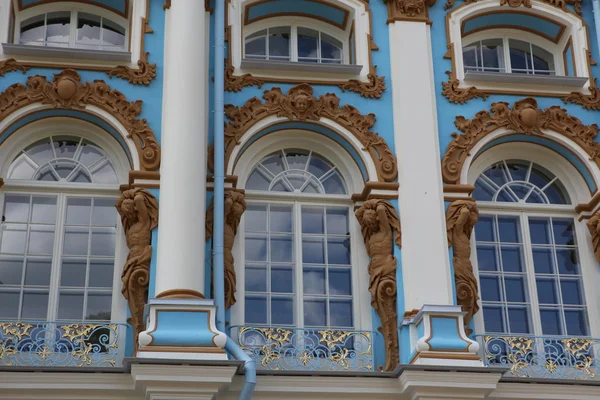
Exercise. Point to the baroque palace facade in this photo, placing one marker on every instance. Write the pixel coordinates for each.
(299, 199)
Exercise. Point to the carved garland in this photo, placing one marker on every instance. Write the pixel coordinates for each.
(461, 217)
(235, 205)
(300, 104)
(67, 91)
(139, 215)
(562, 4)
(380, 228)
(525, 117)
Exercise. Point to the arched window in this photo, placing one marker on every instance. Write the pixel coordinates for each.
(73, 29)
(507, 55)
(528, 258)
(58, 232)
(297, 243)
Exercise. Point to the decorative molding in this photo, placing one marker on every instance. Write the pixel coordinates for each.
(67, 91)
(588, 101)
(372, 89)
(380, 228)
(300, 104)
(524, 117)
(11, 65)
(408, 10)
(594, 227)
(144, 74)
(527, 3)
(237, 83)
(139, 215)
(235, 205)
(461, 217)
(458, 95)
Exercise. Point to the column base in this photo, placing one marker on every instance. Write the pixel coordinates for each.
(439, 338)
(182, 329)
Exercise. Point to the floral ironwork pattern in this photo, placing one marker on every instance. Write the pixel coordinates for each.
(63, 345)
(543, 357)
(307, 349)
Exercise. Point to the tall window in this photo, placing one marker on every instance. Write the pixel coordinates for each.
(57, 234)
(297, 259)
(527, 259)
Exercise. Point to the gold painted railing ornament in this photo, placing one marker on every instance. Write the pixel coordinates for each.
(380, 228)
(139, 216)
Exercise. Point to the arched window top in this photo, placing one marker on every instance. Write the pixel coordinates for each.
(63, 159)
(518, 181)
(296, 171)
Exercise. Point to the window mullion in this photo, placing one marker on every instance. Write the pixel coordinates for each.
(294, 43)
(73, 29)
(531, 282)
(59, 233)
(507, 64)
(298, 269)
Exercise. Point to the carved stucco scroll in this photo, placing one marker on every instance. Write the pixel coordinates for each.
(144, 74)
(371, 89)
(299, 104)
(524, 117)
(562, 4)
(235, 205)
(235, 83)
(139, 215)
(11, 65)
(380, 228)
(457, 95)
(594, 227)
(67, 91)
(402, 10)
(461, 217)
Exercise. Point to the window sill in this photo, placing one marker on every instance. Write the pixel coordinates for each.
(269, 65)
(66, 53)
(523, 79)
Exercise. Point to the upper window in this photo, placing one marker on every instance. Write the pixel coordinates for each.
(508, 55)
(297, 249)
(57, 243)
(294, 43)
(528, 261)
(73, 29)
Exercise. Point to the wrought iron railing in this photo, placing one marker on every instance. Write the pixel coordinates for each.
(54, 344)
(307, 349)
(543, 357)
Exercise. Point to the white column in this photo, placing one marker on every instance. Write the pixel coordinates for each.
(425, 261)
(181, 234)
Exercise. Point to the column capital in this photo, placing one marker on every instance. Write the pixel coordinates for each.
(409, 10)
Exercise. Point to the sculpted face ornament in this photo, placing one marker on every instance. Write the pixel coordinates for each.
(139, 215)
(380, 228)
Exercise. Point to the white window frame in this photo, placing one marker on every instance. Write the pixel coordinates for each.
(575, 30)
(576, 188)
(326, 148)
(294, 24)
(506, 34)
(39, 130)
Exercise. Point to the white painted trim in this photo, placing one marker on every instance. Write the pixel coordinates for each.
(575, 29)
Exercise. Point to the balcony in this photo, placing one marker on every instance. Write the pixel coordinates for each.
(291, 349)
(543, 357)
(54, 344)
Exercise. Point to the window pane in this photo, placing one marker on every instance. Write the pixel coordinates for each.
(312, 220)
(515, 289)
(486, 258)
(70, 306)
(338, 250)
(576, 322)
(564, 231)
(334, 184)
(315, 312)
(88, 31)
(313, 250)
(520, 58)
(568, 262)
(13, 239)
(256, 44)
(41, 239)
(98, 307)
(76, 241)
(518, 319)
(16, 208)
(35, 305)
(509, 229)
(11, 271)
(58, 27)
(282, 310)
(256, 249)
(103, 242)
(44, 210)
(73, 272)
(256, 310)
(32, 29)
(337, 221)
(492, 55)
(101, 273)
(484, 230)
(78, 211)
(282, 279)
(307, 43)
(256, 218)
(470, 58)
(547, 291)
(490, 288)
(340, 281)
(511, 259)
(314, 280)
(281, 218)
(279, 43)
(340, 313)
(113, 34)
(571, 291)
(105, 212)
(543, 260)
(551, 323)
(493, 320)
(539, 229)
(256, 278)
(10, 305)
(330, 47)
(37, 272)
(281, 249)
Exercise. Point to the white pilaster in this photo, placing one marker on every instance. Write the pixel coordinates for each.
(181, 236)
(425, 260)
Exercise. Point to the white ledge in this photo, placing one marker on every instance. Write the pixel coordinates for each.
(547, 80)
(61, 52)
(347, 69)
